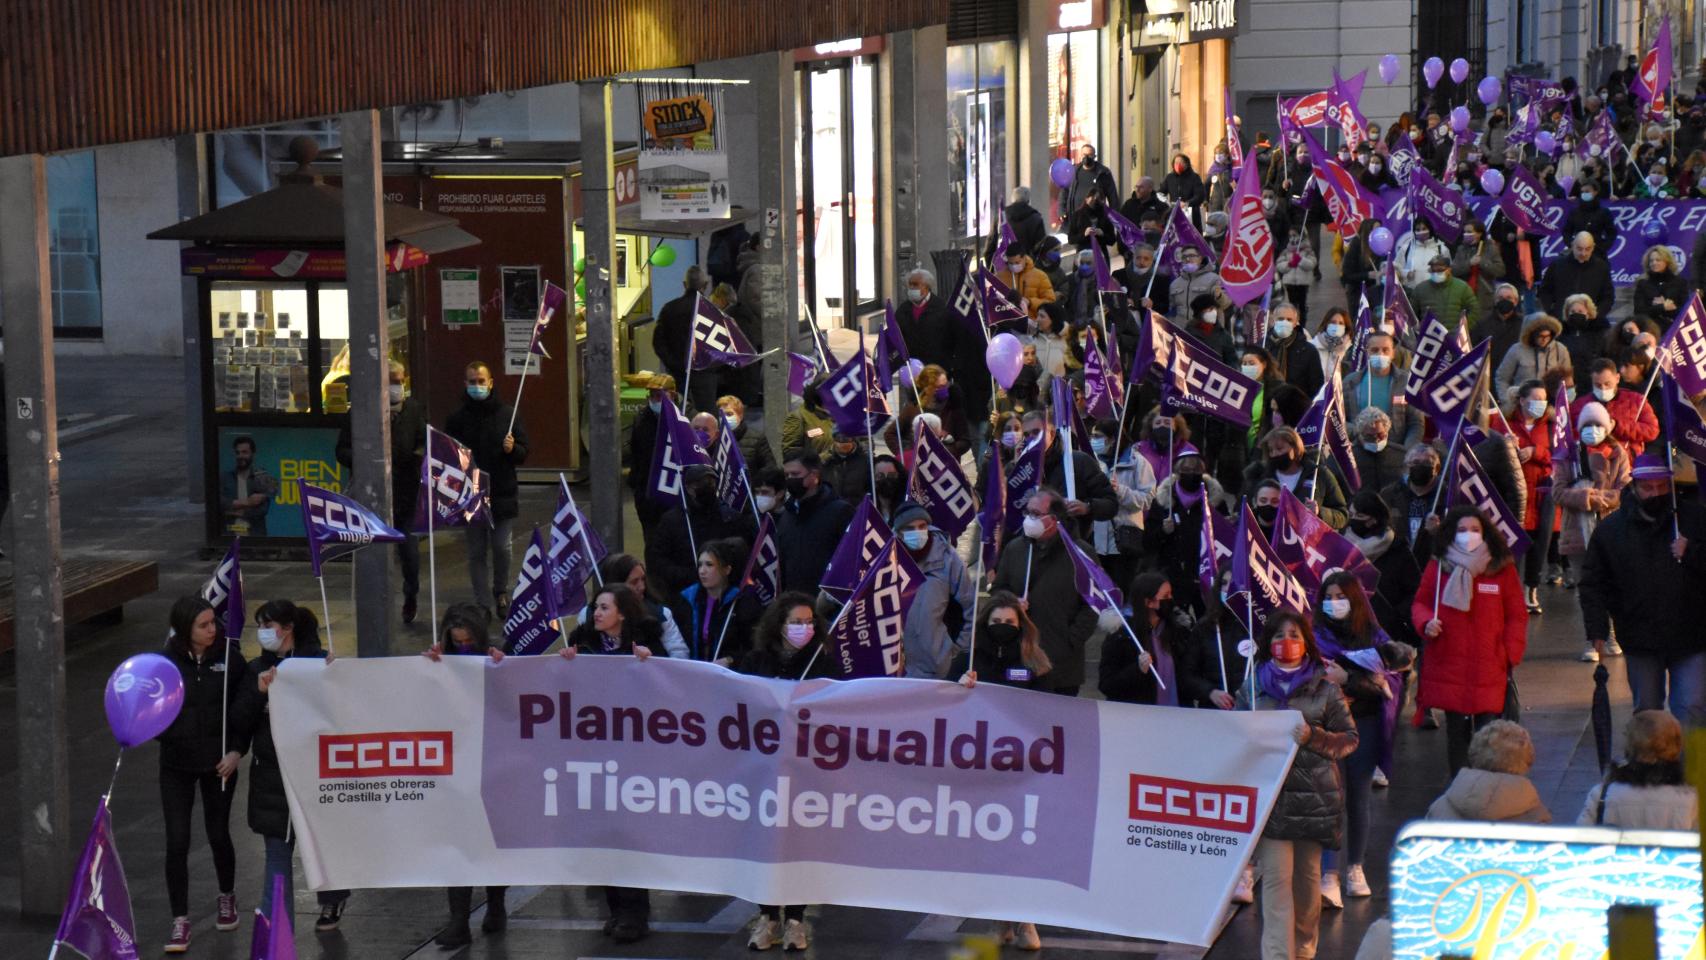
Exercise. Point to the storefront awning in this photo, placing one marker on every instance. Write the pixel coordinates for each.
(631, 222)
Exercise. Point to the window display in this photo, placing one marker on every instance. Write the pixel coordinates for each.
(260, 348)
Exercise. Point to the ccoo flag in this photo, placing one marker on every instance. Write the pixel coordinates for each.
(225, 591)
(866, 638)
(865, 536)
(1683, 424)
(1311, 549)
(940, 486)
(576, 549)
(1469, 484)
(891, 349)
(1448, 395)
(853, 398)
(1177, 237)
(1682, 352)
(1214, 549)
(97, 922)
(732, 487)
(1093, 583)
(337, 525)
(764, 567)
(677, 448)
(1435, 348)
(718, 339)
(1259, 572)
(455, 490)
(531, 625)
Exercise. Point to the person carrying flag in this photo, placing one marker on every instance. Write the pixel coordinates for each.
(701, 518)
(1096, 499)
(1022, 220)
(672, 340)
(408, 448)
(813, 520)
(939, 623)
(482, 425)
(1037, 566)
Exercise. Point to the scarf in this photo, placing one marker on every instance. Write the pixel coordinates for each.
(1280, 685)
(1164, 668)
(1459, 588)
(1189, 498)
(1372, 548)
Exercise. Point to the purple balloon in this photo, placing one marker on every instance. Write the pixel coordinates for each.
(1459, 70)
(1060, 172)
(1488, 90)
(1380, 241)
(1432, 71)
(1460, 119)
(912, 369)
(1566, 182)
(1389, 68)
(1005, 357)
(1492, 181)
(144, 696)
(1545, 142)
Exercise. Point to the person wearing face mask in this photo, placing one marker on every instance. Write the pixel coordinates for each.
(1143, 202)
(1634, 423)
(1155, 296)
(814, 518)
(1183, 185)
(1476, 628)
(1379, 385)
(1583, 336)
(1164, 440)
(1036, 567)
(1375, 177)
(408, 448)
(1007, 439)
(1027, 224)
(1413, 501)
(1096, 498)
(754, 445)
(1220, 178)
(1369, 666)
(1529, 418)
(1306, 817)
(1119, 541)
(1024, 279)
(1643, 576)
(890, 492)
(1661, 291)
(1332, 341)
(1443, 295)
(1008, 651)
(480, 425)
(1480, 264)
(1089, 224)
(1415, 254)
(1535, 352)
(1129, 675)
(1196, 280)
(718, 612)
(1089, 174)
(642, 444)
(846, 468)
(1656, 185)
(809, 424)
(1379, 461)
(1589, 489)
(1205, 325)
(284, 630)
(943, 398)
(1294, 267)
(701, 517)
(1081, 294)
(1371, 531)
(1284, 462)
(940, 629)
(1591, 217)
(1172, 528)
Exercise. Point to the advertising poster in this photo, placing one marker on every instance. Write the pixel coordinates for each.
(684, 166)
(459, 296)
(521, 292)
(264, 499)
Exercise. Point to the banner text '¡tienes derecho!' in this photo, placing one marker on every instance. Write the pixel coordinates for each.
(828, 746)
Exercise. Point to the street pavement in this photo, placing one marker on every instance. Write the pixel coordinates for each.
(123, 496)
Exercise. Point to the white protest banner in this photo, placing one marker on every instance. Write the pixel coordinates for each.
(889, 793)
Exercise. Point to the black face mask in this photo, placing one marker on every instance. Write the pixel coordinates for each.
(1190, 482)
(1161, 438)
(796, 487)
(1421, 474)
(1282, 462)
(1655, 508)
(705, 497)
(1267, 514)
(1364, 527)
(1005, 636)
(1164, 610)
(1504, 308)
(1577, 321)
(890, 488)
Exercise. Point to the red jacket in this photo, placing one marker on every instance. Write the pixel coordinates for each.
(1465, 667)
(1634, 423)
(1537, 469)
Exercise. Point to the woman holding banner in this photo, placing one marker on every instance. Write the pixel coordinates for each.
(625, 568)
(1007, 649)
(1305, 819)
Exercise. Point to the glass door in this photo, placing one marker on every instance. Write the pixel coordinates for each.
(836, 116)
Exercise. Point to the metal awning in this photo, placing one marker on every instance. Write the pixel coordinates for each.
(630, 221)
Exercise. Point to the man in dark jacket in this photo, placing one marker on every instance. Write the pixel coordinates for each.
(671, 562)
(642, 445)
(1089, 174)
(1591, 217)
(673, 334)
(1143, 202)
(1296, 361)
(1028, 225)
(408, 449)
(1094, 498)
(1580, 272)
(1416, 502)
(1645, 571)
(481, 425)
(812, 522)
(847, 469)
(1037, 568)
(934, 335)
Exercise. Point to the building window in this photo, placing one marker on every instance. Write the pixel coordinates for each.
(1522, 32)
(979, 104)
(1604, 22)
(74, 243)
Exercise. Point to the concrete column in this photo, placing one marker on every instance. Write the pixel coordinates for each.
(191, 152)
(914, 90)
(598, 233)
(1032, 126)
(779, 272)
(370, 353)
(32, 438)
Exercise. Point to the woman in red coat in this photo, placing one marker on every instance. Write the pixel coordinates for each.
(1530, 420)
(1476, 628)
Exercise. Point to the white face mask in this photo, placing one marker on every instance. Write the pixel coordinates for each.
(1283, 328)
(1468, 541)
(1593, 436)
(1210, 316)
(394, 392)
(1604, 394)
(1251, 370)
(1374, 446)
(1534, 408)
(1379, 362)
(1376, 167)
(1268, 205)
(1335, 330)
(914, 294)
(1034, 527)
(269, 639)
(1015, 266)
(765, 501)
(733, 420)
(1336, 609)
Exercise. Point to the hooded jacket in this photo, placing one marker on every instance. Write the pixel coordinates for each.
(1589, 495)
(1630, 578)
(944, 611)
(1311, 803)
(192, 744)
(1029, 229)
(1633, 422)
(1031, 284)
(1490, 795)
(1525, 361)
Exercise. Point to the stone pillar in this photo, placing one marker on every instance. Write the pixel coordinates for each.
(914, 91)
(1032, 126)
(598, 233)
(779, 272)
(32, 437)
(370, 358)
(191, 152)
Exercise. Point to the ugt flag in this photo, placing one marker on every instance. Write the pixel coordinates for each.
(1524, 202)
(1469, 484)
(1247, 262)
(865, 536)
(97, 921)
(576, 550)
(1443, 208)
(940, 486)
(1214, 549)
(677, 448)
(1652, 82)
(866, 638)
(763, 571)
(1682, 352)
(1342, 109)
(1257, 571)
(453, 490)
(531, 625)
(225, 591)
(1311, 549)
(853, 398)
(337, 525)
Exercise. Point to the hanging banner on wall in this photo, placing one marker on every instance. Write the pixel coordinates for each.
(889, 793)
(684, 166)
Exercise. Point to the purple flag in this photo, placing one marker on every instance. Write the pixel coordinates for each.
(1563, 437)
(732, 483)
(865, 640)
(1311, 549)
(1098, 393)
(1448, 394)
(1652, 80)
(549, 304)
(1524, 202)
(281, 926)
(576, 550)
(992, 517)
(451, 486)
(1179, 236)
(1130, 234)
(262, 934)
(1234, 143)
(1247, 261)
(763, 571)
(1093, 583)
(1444, 208)
(1525, 125)
(1682, 352)
(531, 625)
(1000, 303)
(801, 370)
(1342, 109)
(891, 348)
(1395, 304)
(1435, 348)
(97, 922)
(1204, 384)
(865, 536)
(676, 449)
(1259, 573)
(1358, 354)
(854, 399)
(1683, 424)
(1469, 484)
(1214, 549)
(718, 339)
(1323, 425)
(1599, 139)
(966, 303)
(337, 525)
(939, 484)
(1154, 348)
(1008, 238)
(1404, 160)
(1065, 414)
(225, 591)
(1532, 89)
(1026, 476)
(1105, 282)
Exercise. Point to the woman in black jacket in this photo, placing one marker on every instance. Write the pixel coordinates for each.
(1185, 186)
(199, 752)
(482, 424)
(285, 630)
(1007, 649)
(1128, 675)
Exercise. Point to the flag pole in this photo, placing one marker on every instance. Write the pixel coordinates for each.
(1133, 635)
(527, 364)
(686, 521)
(570, 494)
(1250, 628)
(225, 707)
(432, 552)
(1030, 554)
(692, 351)
(870, 437)
(723, 632)
(1220, 651)
(326, 605)
(1119, 431)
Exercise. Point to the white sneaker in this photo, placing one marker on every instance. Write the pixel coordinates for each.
(1612, 648)
(1330, 896)
(1356, 885)
(1589, 654)
(794, 936)
(1380, 778)
(1245, 891)
(764, 932)
(1028, 938)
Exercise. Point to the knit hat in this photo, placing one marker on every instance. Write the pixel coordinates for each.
(1651, 466)
(1593, 412)
(909, 511)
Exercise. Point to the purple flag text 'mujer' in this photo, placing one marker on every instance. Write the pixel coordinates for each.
(576, 550)
(1682, 352)
(337, 525)
(530, 627)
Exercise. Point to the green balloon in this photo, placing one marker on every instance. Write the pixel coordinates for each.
(580, 288)
(663, 255)
(580, 266)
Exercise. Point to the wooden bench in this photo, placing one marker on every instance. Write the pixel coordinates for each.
(95, 591)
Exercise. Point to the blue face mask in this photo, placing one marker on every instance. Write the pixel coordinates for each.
(1098, 445)
(915, 539)
(478, 391)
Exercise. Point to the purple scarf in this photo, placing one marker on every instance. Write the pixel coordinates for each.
(1280, 685)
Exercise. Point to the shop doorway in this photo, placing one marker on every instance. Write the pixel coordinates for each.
(836, 116)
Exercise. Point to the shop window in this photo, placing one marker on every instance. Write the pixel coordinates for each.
(1074, 94)
(980, 95)
(74, 244)
(260, 343)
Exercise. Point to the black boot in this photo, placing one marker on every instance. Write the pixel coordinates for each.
(456, 933)
(497, 916)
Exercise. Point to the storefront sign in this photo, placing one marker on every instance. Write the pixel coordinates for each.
(1213, 19)
(840, 49)
(1079, 15)
(679, 118)
(1506, 892)
(262, 263)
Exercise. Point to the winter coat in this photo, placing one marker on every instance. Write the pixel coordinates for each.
(1524, 362)
(767, 661)
(1296, 361)
(1311, 802)
(480, 425)
(1501, 332)
(806, 427)
(1089, 482)
(1176, 553)
(1327, 493)
(1587, 497)
(1665, 286)
(1498, 457)
(1490, 795)
(193, 743)
(807, 534)
(1295, 265)
(1450, 301)
(1631, 807)
(1330, 353)
(1479, 279)
(1413, 258)
(585, 638)
(1189, 286)
(1097, 176)
(1537, 469)
(1136, 482)
(737, 608)
(1595, 219)
(1468, 664)
(1186, 188)
(1633, 422)
(754, 450)
(849, 473)
(1195, 675)
(642, 445)
(943, 614)
(1365, 693)
(1406, 428)
(408, 448)
(671, 562)
(1375, 468)
(993, 663)
(671, 333)
(1032, 285)
(1568, 276)
(1358, 269)
(1629, 578)
(1063, 619)
(1400, 571)
(1028, 226)
(251, 719)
